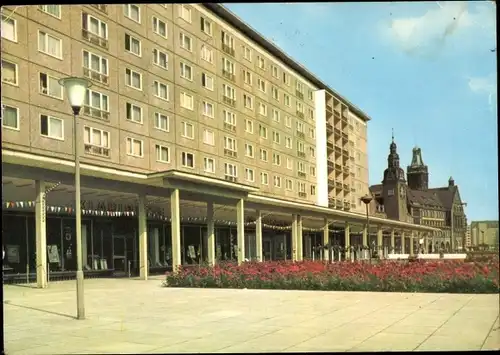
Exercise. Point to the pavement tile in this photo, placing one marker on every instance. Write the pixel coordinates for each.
(391, 342)
(449, 343)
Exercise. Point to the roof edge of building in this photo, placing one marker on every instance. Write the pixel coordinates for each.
(236, 22)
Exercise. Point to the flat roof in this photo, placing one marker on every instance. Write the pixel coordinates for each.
(228, 16)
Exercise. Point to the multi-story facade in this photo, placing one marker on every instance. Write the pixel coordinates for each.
(175, 87)
(484, 233)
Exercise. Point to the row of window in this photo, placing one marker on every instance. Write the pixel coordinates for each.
(53, 127)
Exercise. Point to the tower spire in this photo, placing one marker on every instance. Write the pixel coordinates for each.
(392, 135)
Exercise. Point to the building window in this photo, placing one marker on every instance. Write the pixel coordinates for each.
(249, 126)
(9, 28)
(227, 40)
(187, 101)
(160, 58)
(209, 165)
(288, 142)
(133, 12)
(264, 178)
(206, 26)
(247, 53)
(261, 84)
(187, 160)
(207, 54)
(133, 45)
(161, 90)
(96, 141)
(96, 104)
(207, 81)
(288, 121)
(300, 147)
(187, 130)
(299, 87)
(276, 115)
(208, 109)
(275, 71)
(51, 127)
(186, 71)
(248, 101)
(276, 137)
(312, 152)
(159, 27)
(275, 93)
(249, 150)
(133, 79)
(247, 77)
(262, 109)
(289, 185)
(228, 66)
(49, 45)
(277, 181)
(162, 122)
(310, 94)
(230, 144)
(249, 175)
(230, 170)
(301, 167)
(312, 171)
(286, 79)
(9, 73)
(92, 25)
(53, 10)
(229, 119)
(276, 159)
(135, 147)
(10, 117)
(229, 92)
(262, 131)
(310, 113)
(261, 62)
(208, 137)
(302, 187)
(313, 190)
(312, 133)
(134, 112)
(162, 154)
(289, 164)
(185, 13)
(186, 42)
(263, 155)
(300, 107)
(300, 127)
(286, 99)
(95, 67)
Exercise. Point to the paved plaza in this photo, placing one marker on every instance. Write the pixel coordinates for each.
(132, 316)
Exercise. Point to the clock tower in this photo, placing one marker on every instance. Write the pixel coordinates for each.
(394, 186)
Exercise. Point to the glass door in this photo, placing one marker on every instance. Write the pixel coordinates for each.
(119, 253)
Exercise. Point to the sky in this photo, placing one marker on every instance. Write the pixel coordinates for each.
(425, 69)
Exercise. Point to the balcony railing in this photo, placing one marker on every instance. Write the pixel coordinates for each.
(301, 154)
(228, 75)
(229, 127)
(229, 101)
(301, 134)
(338, 185)
(329, 145)
(95, 112)
(101, 7)
(231, 178)
(331, 165)
(92, 74)
(331, 183)
(97, 150)
(300, 114)
(302, 195)
(229, 50)
(299, 94)
(302, 174)
(346, 170)
(230, 153)
(95, 39)
(329, 127)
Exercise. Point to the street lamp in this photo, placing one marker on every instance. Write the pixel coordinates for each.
(76, 88)
(366, 200)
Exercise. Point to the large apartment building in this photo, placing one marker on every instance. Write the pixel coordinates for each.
(181, 87)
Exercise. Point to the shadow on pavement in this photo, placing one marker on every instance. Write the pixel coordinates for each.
(39, 310)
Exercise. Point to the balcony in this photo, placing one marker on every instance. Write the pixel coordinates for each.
(345, 137)
(338, 150)
(302, 174)
(301, 134)
(229, 127)
(346, 187)
(231, 178)
(228, 75)
(300, 114)
(331, 183)
(329, 107)
(329, 146)
(97, 150)
(299, 94)
(228, 100)
(95, 39)
(101, 7)
(230, 153)
(345, 153)
(302, 195)
(346, 170)
(331, 165)
(95, 112)
(338, 203)
(338, 185)
(329, 127)
(92, 74)
(301, 154)
(229, 50)
(336, 114)
(338, 167)
(337, 131)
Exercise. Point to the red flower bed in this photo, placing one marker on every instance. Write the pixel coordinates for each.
(418, 276)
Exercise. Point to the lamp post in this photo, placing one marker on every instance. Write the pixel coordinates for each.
(76, 88)
(366, 200)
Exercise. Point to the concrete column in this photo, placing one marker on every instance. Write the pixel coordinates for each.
(326, 240)
(412, 242)
(143, 239)
(426, 243)
(347, 240)
(175, 215)
(403, 242)
(240, 228)
(41, 235)
(380, 240)
(434, 242)
(210, 233)
(258, 235)
(393, 240)
(365, 235)
(294, 237)
(300, 243)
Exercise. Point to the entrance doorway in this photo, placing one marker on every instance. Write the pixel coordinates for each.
(274, 247)
(124, 250)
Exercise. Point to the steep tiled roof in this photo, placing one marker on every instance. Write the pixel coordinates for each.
(424, 198)
(376, 189)
(446, 195)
